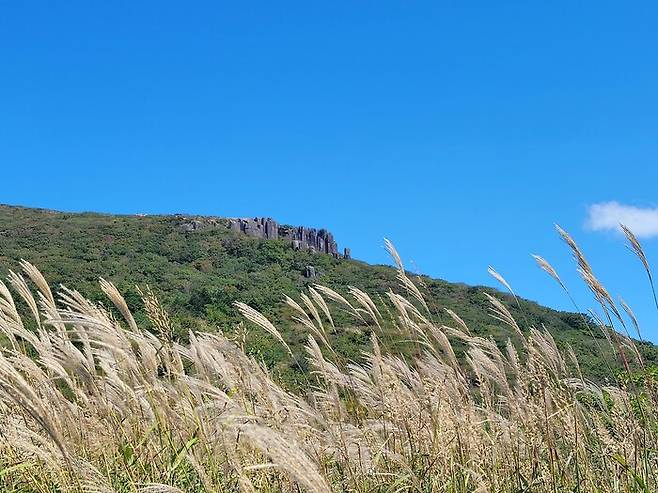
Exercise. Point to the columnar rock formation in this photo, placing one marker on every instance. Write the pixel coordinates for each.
(260, 227)
(315, 240)
(300, 237)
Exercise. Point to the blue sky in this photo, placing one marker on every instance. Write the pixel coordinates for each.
(462, 131)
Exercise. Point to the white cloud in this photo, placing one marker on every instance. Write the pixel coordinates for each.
(607, 216)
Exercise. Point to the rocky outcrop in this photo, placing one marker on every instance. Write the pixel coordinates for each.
(300, 237)
(314, 240)
(260, 227)
(187, 225)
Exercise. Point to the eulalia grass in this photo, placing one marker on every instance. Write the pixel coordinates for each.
(92, 402)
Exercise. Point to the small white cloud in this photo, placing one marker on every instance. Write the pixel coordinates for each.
(607, 216)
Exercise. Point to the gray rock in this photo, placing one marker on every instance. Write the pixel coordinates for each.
(300, 237)
(259, 227)
(309, 272)
(195, 224)
(314, 240)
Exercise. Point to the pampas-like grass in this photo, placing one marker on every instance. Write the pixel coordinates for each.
(92, 402)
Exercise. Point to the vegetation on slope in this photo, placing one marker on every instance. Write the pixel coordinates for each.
(198, 275)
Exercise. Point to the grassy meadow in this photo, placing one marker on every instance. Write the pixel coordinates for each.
(92, 401)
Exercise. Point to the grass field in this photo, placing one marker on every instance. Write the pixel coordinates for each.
(92, 401)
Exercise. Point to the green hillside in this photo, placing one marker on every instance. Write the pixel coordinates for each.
(199, 274)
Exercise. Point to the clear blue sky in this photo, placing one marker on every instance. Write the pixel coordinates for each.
(460, 130)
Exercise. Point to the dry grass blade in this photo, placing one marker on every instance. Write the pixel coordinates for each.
(119, 302)
(403, 279)
(287, 455)
(636, 247)
(601, 294)
(306, 321)
(459, 321)
(368, 305)
(390, 248)
(493, 273)
(296, 306)
(18, 283)
(632, 316)
(37, 278)
(308, 303)
(156, 313)
(333, 295)
(259, 319)
(548, 268)
(317, 297)
(586, 272)
(500, 312)
(575, 249)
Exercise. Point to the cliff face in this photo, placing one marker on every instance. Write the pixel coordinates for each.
(300, 237)
(315, 240)
(260, 227)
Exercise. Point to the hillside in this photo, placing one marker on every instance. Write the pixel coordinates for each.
(199, 266)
